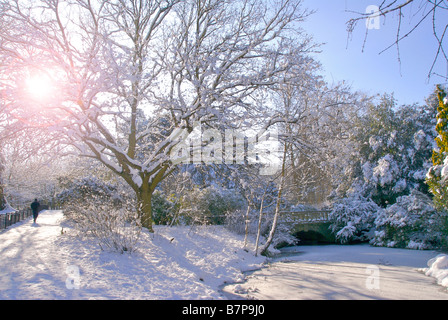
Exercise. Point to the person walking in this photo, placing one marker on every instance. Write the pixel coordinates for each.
(35, 207)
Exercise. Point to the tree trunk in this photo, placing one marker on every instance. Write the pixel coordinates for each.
(144, 208)
(264, 249)
(260, 217)
(2, 197)
(246, 221)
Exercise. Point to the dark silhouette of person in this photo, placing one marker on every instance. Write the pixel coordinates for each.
(35, 207)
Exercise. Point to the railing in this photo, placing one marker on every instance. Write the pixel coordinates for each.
(304, 217)
(9, 219)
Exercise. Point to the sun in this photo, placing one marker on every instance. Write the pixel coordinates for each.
(39, 87)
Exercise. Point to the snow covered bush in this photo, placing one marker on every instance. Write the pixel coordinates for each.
(210, 205)
(116, 229)
(98, 209)
(283, 236)
(89, 190)
(412, 222)
(352, 219)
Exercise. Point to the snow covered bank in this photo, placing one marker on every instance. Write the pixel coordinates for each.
(47, 261)
(438, 268)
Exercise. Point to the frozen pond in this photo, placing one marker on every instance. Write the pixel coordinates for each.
(334, 272)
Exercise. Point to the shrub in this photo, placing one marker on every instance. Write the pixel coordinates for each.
(210, 205)
(89, 191)
(164, 209)
(352, 219)
(412, 222)
(116, 229)
(98, 209)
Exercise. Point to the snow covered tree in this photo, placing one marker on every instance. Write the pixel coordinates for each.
(394, 149)
(316, 123)
(352, 219)
(180, 62)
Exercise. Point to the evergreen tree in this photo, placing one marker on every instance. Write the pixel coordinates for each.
(436, 178)
(441, 128)
(395, 145)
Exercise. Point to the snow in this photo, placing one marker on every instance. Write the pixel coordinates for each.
(400, 186)
(444, 168)
(47, 261)
(336, 272)
(438, 268)
(8, 209)
(386, 170)
(136, 177)
(110, 163)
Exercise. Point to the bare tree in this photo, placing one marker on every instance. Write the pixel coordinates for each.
(433, 11)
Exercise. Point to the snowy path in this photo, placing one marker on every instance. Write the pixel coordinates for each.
(30, 267)
(344, 273)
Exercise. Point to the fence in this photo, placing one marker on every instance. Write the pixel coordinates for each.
(9, 219)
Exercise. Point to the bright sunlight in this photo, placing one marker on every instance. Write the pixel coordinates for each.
(39, 87)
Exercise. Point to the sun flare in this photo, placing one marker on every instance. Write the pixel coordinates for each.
(39, 87)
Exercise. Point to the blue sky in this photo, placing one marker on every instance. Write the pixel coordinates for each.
(369, 71)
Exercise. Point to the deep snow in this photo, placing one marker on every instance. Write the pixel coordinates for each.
(44, 261)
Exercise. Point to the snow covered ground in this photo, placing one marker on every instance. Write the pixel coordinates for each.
(438, 268)
(38, 261)
(335, 272)
(7, 210)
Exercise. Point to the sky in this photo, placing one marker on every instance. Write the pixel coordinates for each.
(343, 59)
